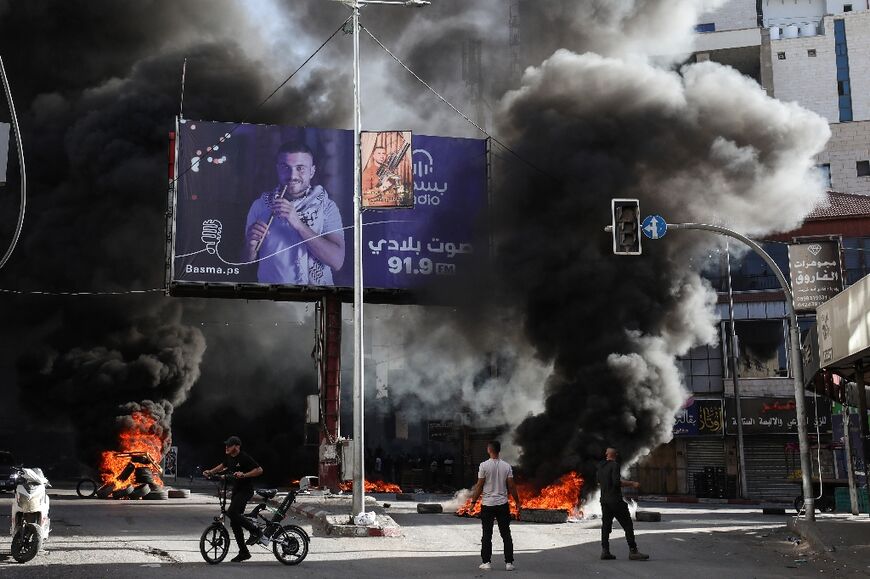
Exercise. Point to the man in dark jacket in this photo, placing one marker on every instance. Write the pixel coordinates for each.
(243, 468)
(613, 505)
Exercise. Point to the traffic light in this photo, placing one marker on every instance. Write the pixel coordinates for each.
(626, 227)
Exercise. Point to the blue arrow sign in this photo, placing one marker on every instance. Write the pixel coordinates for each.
(654, 226)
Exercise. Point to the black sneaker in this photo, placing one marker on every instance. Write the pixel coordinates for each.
(241, 557)
(252, 540)
(636, 555)
(606, 556)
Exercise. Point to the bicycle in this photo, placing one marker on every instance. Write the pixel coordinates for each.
(289, 542)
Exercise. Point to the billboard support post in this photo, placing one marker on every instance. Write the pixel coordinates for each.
(358, 335)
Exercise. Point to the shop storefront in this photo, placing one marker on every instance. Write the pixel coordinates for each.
(772, 452)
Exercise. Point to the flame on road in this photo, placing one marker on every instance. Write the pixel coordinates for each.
(140, 440)
(564, 494)
(373, 486)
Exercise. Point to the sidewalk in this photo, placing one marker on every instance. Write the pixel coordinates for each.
(688, 499)
(840, 537)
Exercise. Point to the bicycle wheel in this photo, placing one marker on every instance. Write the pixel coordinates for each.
(214, 543)
(290, 544)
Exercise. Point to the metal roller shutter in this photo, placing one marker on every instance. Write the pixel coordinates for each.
(767, 473)
(702, 453)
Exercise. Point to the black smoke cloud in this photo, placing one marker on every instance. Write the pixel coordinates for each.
(695, 145)
(598, 335)
(97, 86)
(148, 365)
(611, 116)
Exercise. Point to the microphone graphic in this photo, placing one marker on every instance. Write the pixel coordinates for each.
(211, 234)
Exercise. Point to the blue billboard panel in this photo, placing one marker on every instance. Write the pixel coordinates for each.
(273, 206)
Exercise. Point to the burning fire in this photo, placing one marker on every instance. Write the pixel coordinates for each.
(139, 440)
(563, 494)
(373, 486)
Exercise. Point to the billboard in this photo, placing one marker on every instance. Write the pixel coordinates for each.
(816, 273)
(261, 207)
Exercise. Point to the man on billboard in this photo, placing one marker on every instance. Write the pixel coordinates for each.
(294, 232)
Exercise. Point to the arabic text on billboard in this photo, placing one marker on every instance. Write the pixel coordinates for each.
(273, 205)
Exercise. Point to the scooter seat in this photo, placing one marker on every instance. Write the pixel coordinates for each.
(267, 493)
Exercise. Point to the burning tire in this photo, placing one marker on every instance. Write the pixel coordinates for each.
(550, 516)
(178, 493)
(143, 476)
(104, 491)
(122, 493)
(429, 508)
(140, 491)
(86, 488)
(128, 470)
(157, 495)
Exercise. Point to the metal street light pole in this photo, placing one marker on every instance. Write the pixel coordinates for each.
(732, 361)
(795, 349)
(796, 359)
(358, 336)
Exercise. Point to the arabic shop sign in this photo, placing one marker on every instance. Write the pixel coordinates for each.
(816, 273)
(699, 418)
(442, 430)
(774, 416)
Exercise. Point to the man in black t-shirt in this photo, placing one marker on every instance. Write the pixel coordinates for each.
(612, 505)
(243, 468)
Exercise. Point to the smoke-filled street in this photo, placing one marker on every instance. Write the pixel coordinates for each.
(97, 539)
(533, 260)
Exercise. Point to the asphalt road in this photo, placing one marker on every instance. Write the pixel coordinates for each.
(92, 538)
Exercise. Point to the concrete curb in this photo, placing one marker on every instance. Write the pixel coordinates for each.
(335, 525)
(695, 500)
(811, 535)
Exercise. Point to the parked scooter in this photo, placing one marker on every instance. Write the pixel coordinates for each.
(30, 521)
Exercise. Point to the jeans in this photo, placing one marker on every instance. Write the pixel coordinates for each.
(237, 519)
(489, 515)
(619, 510)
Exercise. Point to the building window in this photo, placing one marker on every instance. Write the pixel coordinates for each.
(761, 348)
(749, 272)
(841, 50)
(811, 52)
(863, 168)
(702, 369)
(843, 88)
(825, 170)
(856, 251)
(847, 7)
(780, 55)
(706, 27)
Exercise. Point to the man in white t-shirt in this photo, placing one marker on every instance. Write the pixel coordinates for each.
(495, 478)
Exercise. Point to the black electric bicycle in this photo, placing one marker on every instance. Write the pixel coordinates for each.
(289, 543)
